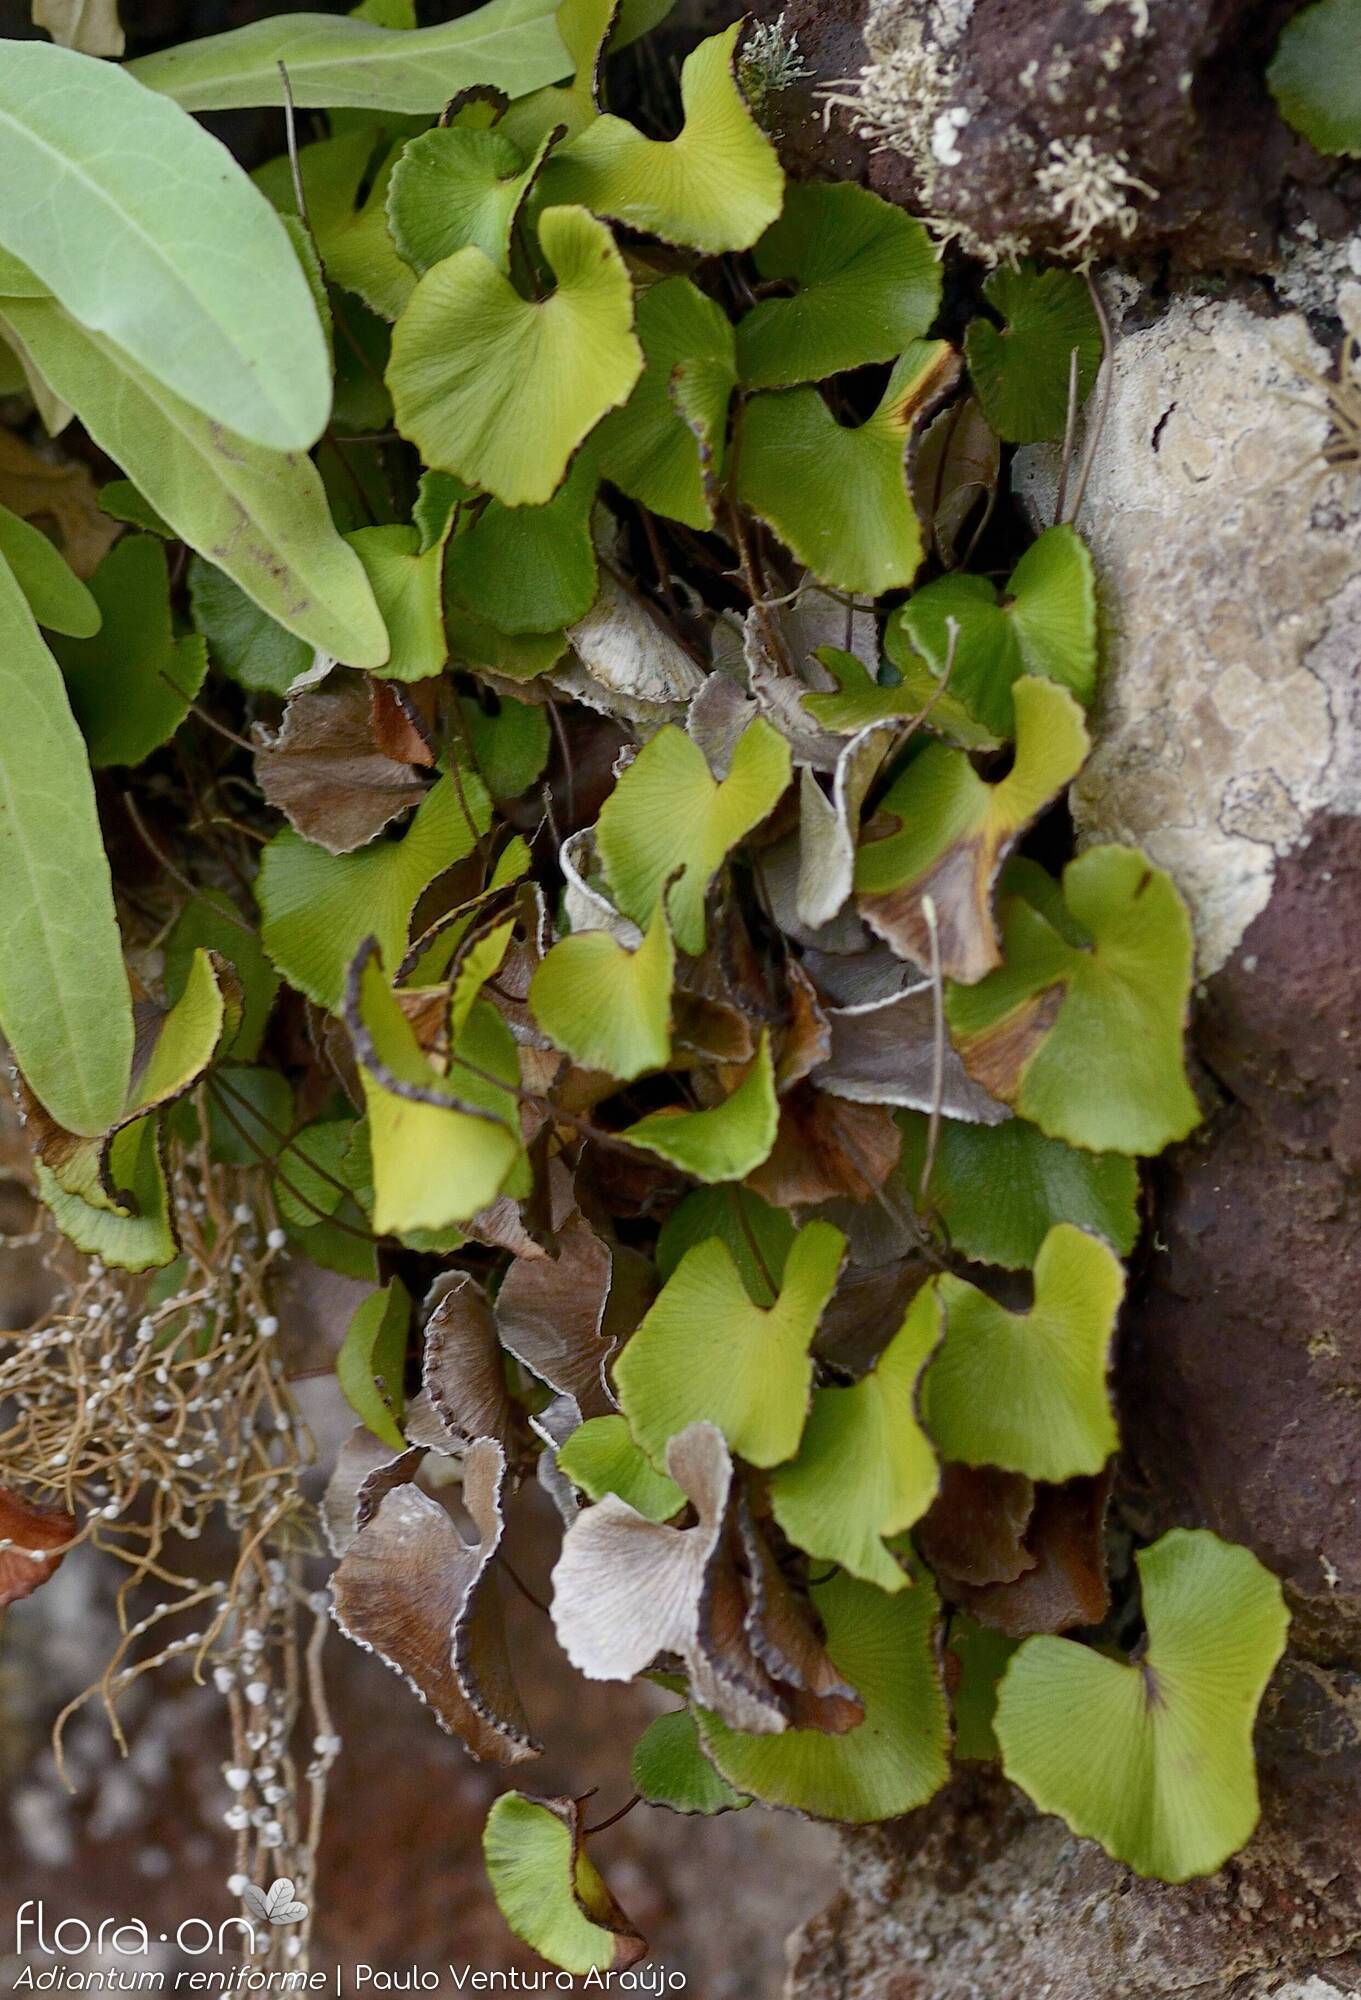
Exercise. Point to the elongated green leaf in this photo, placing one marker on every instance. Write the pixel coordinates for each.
(149, 233)
(65, 1007)
(1027, 1391)
(511, 45)
(56, 596)
(892, 1761)
(502, 389)
(369, 1364)
(259, 515)
(132, 683)
(865, 1469)
(716, 187)
(1154, 1759)
(705, 1353)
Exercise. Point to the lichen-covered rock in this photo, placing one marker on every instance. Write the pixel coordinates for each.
(979, 1898)
(1230, 581)
(1062, 126)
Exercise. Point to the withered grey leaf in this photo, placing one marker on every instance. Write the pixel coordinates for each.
(718, 715)
(463, 1372)
(627, 1591)
(366, 1470)
(953, 467)
(779, 692)
(550, 1314)
(411, 1590)
(782, 1631)
(884, 1052)
(830, 827)
(324, 771)
(626, 661)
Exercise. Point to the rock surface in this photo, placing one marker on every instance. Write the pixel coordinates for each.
(1230, 585)
(1064, 126)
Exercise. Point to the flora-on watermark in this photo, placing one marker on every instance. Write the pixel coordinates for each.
(37, 1933)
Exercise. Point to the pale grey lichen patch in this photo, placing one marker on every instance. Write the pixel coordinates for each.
(1090, 189)
(1230, 583)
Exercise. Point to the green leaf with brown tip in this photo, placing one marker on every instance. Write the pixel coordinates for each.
(955, 830)
(1085, 1039)
(136, 1236)
(893, 1761)
(1154, 1759)
(1028, 1391)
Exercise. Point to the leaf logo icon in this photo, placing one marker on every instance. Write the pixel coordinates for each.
(275, 1905)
